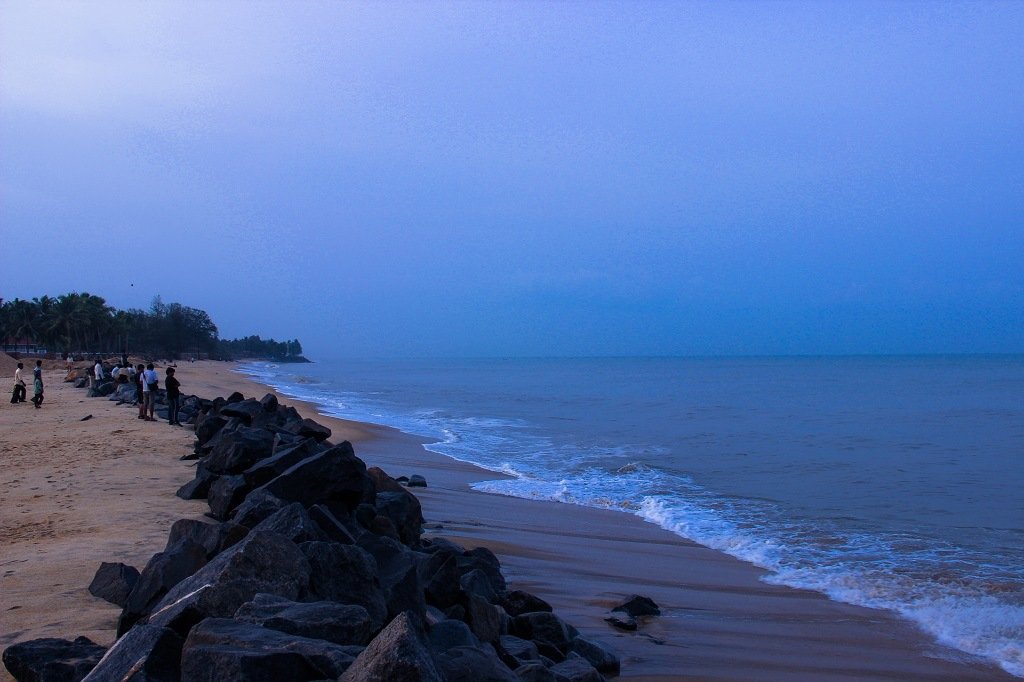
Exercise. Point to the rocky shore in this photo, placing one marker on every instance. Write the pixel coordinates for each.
(310, 566)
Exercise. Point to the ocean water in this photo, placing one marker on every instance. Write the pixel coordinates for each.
(888, 482)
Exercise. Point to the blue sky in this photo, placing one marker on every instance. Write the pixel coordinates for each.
(526, 178)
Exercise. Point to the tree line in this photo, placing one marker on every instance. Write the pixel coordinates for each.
(83, 324)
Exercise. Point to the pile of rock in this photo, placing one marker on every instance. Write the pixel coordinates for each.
(315, 568)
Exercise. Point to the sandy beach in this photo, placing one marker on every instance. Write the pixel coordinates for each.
(77, 493)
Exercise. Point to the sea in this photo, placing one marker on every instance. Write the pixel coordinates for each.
(887, 482)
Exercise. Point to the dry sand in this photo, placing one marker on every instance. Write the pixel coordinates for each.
(77, 493)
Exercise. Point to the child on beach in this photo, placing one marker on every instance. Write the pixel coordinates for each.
(37, 384)
(173, 387)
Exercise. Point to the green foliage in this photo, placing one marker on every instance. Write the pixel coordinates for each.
(82, 323)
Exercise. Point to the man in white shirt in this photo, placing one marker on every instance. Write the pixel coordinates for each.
(19, 386)
(99, 373)
(149, 388)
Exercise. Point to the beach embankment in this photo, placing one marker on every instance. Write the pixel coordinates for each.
(78, 493)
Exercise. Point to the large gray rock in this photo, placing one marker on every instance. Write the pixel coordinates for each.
(281, 460)
(262, 562)
(332, 476)
(517, 651)
(199, 487)
(484, 618)
(214, 538)
(345, 574)
(576, 669)
(165, 570)
(52, 660)
(404, 511)
(114, 582)
(534, 672)
(398, 654)
(398, 569)
(308, 428)
(338, 623)
(226, 493)
(246, 410)
(294, 523)
(145, 654)
(473, 664)
(599, 656)
(240, 450)
(551, 634)
(450, 633)
(440, 576)
(257, 506)
(225, 650)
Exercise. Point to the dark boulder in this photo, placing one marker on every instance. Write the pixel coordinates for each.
(308, 428)
(269, 403)
(199, 487)
(330, 621)
(114, 582)
(450, 633)
(483, 559)
(336, 529)
(225, 650)
(484, 618)
(207, 426)
(623, 622)
(235, 397)
(52, 660)
(603, 660)
(516, 651)
(281, 460)
(226, 493)
(146, 653)
(551, 634)
(440, 576)
(214, 538)
(262, 562)
(404, 511)
(246, 410)
(637, 606)
(576, 669)
(345, 574)
(417, 481)
(257, 506)
(293, 522)
(332, 476)
(165, 570)
(398, 571)
(476, 582)
(473, 664)
(240, 451)
(518, 602)
(534, 672)
(398, 654)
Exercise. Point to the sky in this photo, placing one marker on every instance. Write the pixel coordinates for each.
(526, 178)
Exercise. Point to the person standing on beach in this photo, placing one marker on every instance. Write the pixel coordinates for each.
(173, 387)
(150, 384)
(140, 394)
(37, 384)
(19, 386)
(98, 371)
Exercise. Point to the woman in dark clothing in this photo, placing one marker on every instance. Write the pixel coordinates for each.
(173, 387)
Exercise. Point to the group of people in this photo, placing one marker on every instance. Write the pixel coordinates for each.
(145, 378)
(20, 391)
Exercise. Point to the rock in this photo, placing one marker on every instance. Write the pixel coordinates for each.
(114, 582)
(294, 523)
(384, 483)
(269, 403)
(235, 397)
(308, 428)
(398, 571)
(382, 525)
(345, 574)
(440, 576)
(627, 623)
(81, 382)
(225, 650)
(449, 633)
(214, 538)
(398, 654)
(516, 651)
(404, 511)
(165, 570)
(123, 393)
(257, 506)
(199, 487)
(473, 664)
(576, 669)
(330, 621)
(262, 562)
(336, 530)
(534, 672)
(417, 481)
(484, 618)
(240, 450)
(484, 560)
(637, 606)
(550, 633)
(476, 582)
(280, 461)
(603, 660)
(207, 426)
(226, 493)
(146, 653)
(52, 660)
(332, 476)
(517, 602)
(245, 410)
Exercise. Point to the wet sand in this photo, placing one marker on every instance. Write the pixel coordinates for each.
(77, 493)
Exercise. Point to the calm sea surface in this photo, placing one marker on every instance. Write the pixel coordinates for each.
(893, 482)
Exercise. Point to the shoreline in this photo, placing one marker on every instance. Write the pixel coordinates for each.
(719, 620)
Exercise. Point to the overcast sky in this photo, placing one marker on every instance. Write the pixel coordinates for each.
(526, 178)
